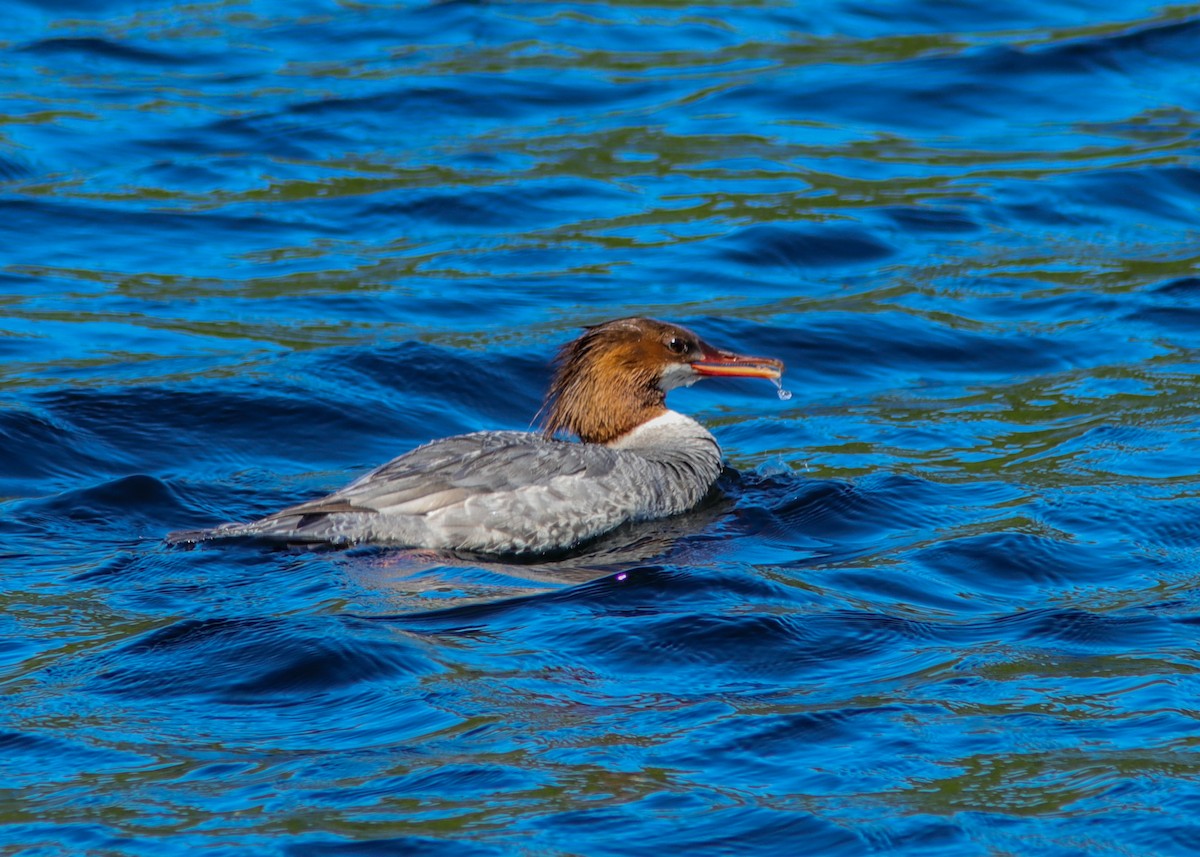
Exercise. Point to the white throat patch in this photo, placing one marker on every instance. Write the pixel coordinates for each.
(677, 375)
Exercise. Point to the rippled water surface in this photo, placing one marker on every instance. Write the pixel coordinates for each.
(945, 602)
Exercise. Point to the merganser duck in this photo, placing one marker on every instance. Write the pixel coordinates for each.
(514, 492)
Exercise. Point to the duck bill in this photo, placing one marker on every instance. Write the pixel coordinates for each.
(726, 364)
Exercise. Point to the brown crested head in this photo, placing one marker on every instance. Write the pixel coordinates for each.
(616, 376)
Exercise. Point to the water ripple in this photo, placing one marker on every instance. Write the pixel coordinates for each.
(941, 602)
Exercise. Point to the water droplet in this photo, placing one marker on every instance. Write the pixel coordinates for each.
(783, 394)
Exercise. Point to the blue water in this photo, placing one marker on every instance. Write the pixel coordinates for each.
(946, 601)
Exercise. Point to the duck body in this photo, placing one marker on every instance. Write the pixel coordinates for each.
(513, 492)
(504, 492)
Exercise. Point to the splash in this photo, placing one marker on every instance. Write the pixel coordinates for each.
(783, 394)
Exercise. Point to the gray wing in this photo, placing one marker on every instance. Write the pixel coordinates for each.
(493, 492)
(447, 472)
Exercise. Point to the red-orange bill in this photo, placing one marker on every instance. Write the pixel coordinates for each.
(728, 364)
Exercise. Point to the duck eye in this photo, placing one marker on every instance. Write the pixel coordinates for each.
(677, 345)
